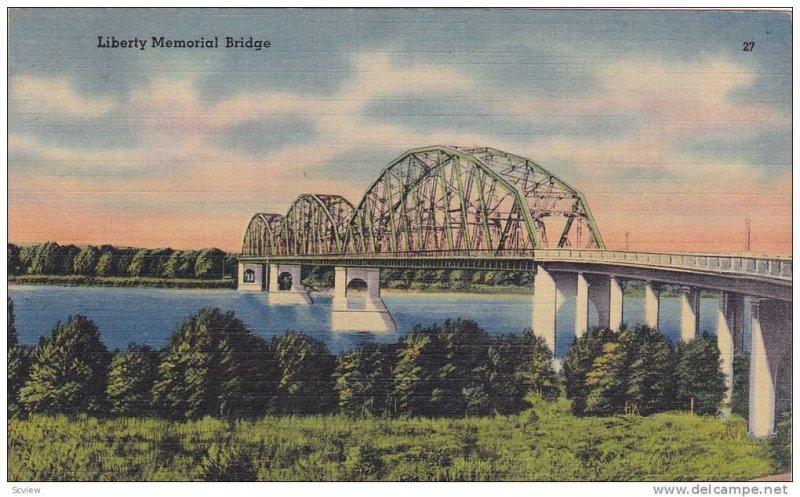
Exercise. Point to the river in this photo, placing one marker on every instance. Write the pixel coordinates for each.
(149, 315)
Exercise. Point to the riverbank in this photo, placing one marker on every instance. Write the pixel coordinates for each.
(545, 443)
(113, 281)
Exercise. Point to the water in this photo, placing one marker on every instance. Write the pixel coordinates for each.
(149, 316)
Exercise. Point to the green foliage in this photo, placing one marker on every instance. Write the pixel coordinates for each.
(115, 281)
(650, 372)
(780, 444)
(69, 371)
(209, 264)
(536, 367)
(214, 366)
(45, 259)
(304, 374)
(18, 364)
(105, 264)
(605, 382)
(740, 395)
(108, 261)
(698, 375)
(638, 371)
(556, 447)
(363, 380)
(85, 261)
(13, 262)
(130, 381)
(226, 463)
(578, 362)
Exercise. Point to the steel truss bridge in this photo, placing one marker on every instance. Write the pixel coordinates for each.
(481, 208)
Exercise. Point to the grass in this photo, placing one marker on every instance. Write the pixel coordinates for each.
(546, 443)
(118, 281)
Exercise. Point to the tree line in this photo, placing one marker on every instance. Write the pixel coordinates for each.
(638, 371)
(53, 259)
(215, 366)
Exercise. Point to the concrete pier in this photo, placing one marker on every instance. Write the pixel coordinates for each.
(250, 277)
(295, 295)
(357, 312)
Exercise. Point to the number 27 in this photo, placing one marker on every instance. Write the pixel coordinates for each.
(748, 46)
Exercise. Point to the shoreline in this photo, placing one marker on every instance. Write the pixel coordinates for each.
(189, 284)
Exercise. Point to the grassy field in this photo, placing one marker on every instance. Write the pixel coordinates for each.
(541, 444)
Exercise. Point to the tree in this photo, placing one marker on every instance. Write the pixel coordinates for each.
(69, 371)
(650, 371)
(18, 364)
(537, 367)
(209, 264)
(85, 261)
(363, 380)
(213, 366)
(578, 362)
(13, 262)
(66, 259)
(699, 376)
(130, 381)
(509, 376)
(740, 394)
(304, 373)
(105, 264)
(605, 382)
(413, 373)
(45, 258)
(461, 358)
(138, 263)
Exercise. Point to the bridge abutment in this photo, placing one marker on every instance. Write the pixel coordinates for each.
(251, 277)
(359, 313)
(296, 294)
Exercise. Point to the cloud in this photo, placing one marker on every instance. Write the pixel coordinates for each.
(54, 97)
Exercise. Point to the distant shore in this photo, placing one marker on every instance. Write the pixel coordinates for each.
(187, 283)
(117, 281)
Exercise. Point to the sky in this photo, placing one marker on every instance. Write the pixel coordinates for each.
(673, 132)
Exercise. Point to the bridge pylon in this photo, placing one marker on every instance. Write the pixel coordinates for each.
(294, 294)
(359, 312)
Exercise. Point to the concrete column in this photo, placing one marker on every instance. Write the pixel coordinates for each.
(599, 296)
(650, 305)
(545, 306)
(581, 306)
(729, 316)
(339, 283)
(762, 387)
(689, 313)
(272, 286)
(615, 302)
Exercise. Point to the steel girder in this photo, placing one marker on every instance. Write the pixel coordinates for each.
(440, 199)
(260, 236)
(314, 225)
(556, 208)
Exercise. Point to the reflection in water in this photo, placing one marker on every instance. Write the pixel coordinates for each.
(149, 316)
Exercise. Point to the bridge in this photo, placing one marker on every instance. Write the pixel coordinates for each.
(484, 209)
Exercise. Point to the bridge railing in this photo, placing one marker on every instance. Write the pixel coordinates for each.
(768, 267)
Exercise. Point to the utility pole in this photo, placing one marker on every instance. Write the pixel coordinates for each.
(747, 224)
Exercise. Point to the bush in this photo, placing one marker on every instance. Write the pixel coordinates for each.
(69, 371)
(780, 443)
(226, 463)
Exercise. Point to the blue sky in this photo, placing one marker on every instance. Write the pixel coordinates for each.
(671, 130)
